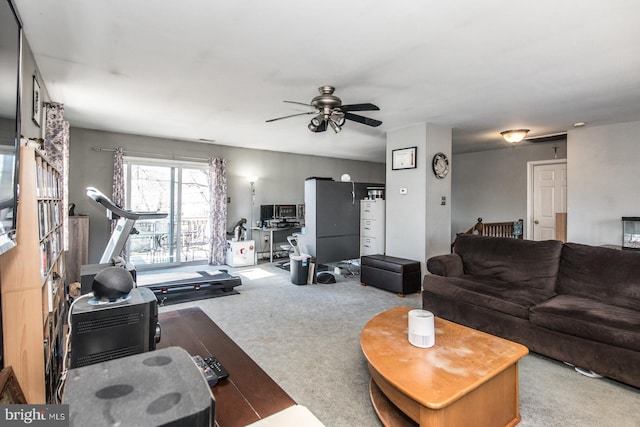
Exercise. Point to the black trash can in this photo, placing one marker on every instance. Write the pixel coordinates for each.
(299, 267)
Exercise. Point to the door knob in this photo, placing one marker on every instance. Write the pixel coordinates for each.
(536, 222)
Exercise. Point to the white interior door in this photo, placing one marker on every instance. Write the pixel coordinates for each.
(549, 197)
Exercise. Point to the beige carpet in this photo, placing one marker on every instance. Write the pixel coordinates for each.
(307, 339)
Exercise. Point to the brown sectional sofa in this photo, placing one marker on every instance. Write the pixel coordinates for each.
(572, 302)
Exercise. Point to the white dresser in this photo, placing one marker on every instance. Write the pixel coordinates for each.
(372, 226)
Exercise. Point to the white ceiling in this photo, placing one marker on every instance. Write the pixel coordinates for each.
(216, 70)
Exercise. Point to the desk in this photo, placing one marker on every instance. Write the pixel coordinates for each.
(278, 232)
(249, 394)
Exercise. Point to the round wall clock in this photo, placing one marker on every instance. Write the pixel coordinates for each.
(440, 165)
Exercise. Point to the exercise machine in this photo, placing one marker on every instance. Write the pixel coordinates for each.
(204, 285)
(124, 226)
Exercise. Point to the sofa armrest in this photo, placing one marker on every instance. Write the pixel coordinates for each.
(446, 265)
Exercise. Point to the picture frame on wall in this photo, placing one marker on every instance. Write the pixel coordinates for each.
(37, 102)
(404, 158)
(10, 390)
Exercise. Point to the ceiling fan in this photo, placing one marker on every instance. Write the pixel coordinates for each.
(329, 111)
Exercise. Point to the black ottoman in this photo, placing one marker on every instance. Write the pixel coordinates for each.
(398, 275)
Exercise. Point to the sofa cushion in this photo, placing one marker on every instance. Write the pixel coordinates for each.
(608, 275)
(589, 319)
(523, 263)
(486, 292)
(446, 265)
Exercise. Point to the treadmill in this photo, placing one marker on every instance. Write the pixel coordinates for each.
(124, 226)
(191, 289)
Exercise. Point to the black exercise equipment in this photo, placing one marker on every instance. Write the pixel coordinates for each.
(205, 286)
(124, 226)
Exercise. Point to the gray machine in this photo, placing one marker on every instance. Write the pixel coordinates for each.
(332, 219)
(205, 286)
(124, 226)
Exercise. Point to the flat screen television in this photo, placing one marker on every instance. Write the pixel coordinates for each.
(10, 88)
(286, 212)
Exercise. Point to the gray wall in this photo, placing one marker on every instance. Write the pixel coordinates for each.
(489, 184)
(281, 175)
(417, 225)
(603, 173)
(28, 128)
(493, 184)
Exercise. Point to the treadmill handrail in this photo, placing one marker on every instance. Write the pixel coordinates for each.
(96, 195)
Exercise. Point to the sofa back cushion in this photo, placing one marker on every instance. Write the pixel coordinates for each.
(527, 263)
(608, 275)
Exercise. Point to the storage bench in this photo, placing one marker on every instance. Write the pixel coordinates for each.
(398, 275)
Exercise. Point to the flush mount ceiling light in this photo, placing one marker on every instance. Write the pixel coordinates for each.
(514, 135)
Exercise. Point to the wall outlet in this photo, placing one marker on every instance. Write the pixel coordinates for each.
(266, 238)
(403, 190)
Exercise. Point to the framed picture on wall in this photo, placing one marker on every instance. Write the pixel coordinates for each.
(404, 158)
(37, 102)
(10, 391)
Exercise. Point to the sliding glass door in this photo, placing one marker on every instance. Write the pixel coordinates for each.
(180, 190)
(194, 215)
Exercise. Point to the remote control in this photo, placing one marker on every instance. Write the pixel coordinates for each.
(217, 367)
(209, 374)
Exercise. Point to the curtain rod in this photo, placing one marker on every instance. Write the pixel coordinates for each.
(153, 155)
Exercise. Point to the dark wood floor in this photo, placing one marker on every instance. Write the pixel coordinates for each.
(249, 394)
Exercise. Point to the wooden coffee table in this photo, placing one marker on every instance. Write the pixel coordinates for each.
(467, 378)
(249, 394)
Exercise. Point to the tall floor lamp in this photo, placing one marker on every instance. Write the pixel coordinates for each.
(252, 180)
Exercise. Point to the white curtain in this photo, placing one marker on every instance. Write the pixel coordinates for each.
(118, 196)
(56, 147)
(217, 210)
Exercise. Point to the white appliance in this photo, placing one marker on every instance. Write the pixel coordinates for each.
(421, 328)
(372, 226)
(241, 253)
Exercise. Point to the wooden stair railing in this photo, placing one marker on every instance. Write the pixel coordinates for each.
(513, 229)
(498, 229)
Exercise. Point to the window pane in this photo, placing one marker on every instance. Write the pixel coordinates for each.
(195, 215)
(150, 191)
(184, 235)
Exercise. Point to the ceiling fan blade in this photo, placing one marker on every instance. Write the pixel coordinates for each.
(359, 107)
(364, 120)
(322, 127)
(299, 103)
(292, 115)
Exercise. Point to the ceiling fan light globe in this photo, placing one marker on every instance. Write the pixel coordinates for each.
(336, 128)
(316, 122)
(311, 126)
(338, 119)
